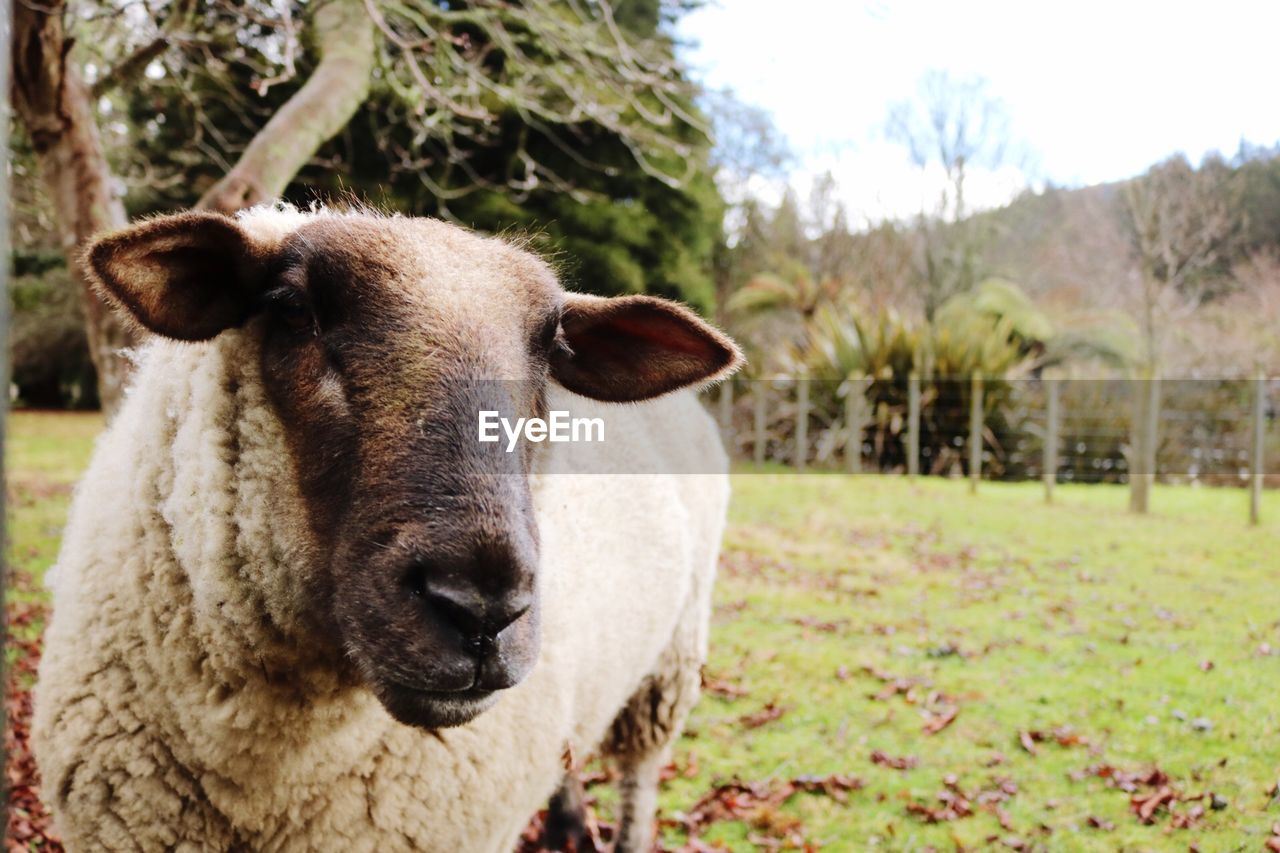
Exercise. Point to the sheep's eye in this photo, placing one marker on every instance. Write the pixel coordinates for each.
(291, 308)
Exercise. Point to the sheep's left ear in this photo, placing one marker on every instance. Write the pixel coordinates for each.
(632, 348)
(187, 276)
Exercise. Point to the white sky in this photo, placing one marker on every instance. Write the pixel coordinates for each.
(1097, 91)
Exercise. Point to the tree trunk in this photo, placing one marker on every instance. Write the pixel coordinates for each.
(56, 108)
(344, 37)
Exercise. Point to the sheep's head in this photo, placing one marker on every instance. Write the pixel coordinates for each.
(381, 339)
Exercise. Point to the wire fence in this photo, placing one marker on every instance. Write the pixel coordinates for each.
(1204, 432)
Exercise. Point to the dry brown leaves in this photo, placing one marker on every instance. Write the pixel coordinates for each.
(675, 771)
(1063, 736)
(29, 825)
(767, 714)
(939, 719)
(939, 709)
(813, 624)
(954, 803)
(722, 686)
(905, 762)
(1153, 794)
(758, 804)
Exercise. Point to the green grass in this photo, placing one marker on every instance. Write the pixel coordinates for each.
(1026, 617)
(1074, 615)
(46, 451)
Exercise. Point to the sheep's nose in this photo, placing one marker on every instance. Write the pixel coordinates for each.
(478, 618)
(477, 592)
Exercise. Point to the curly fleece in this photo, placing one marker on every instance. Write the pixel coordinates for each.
(187, 700)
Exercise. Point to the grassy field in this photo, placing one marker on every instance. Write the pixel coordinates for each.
(902, 665)
(46, 453)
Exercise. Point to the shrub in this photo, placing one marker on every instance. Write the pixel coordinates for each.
(48, 349)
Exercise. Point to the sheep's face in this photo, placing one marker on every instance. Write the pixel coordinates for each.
(382, 339)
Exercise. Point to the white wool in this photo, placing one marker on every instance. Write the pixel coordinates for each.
(271, 223)
(182, 703)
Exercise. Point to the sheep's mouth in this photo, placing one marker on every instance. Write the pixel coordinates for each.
(433, 709)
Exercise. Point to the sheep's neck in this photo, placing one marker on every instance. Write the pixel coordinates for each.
(239, 667)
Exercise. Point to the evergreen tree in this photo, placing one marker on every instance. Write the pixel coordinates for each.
(615, 220)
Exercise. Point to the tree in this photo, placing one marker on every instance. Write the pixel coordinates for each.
(835, 249)
(55, 106)
(955, 124)
(748, 150)
(794, 261)
(451, 82)
(1182, 223)
(616, 226)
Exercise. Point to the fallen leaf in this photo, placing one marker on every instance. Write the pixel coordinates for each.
(835, 786)
(758, 804)
(722, 687)
(29, 823)
(1145, 806)
(905, 762)
(1189, 819)
(939, 721)
(952, 805)
(767, 714)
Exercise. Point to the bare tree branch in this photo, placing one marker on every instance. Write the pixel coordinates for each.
(133, 65)
(1181, 223)
(344, 36)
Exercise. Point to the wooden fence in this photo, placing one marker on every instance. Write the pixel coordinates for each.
(1220, 431)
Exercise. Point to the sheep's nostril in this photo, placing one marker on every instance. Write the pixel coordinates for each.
(479, 621)
(465, 602)
(502, 618)
(463, 616)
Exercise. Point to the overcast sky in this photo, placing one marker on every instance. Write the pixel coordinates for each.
(1096, 91)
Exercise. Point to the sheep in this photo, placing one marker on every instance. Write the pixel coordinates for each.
(299, 607)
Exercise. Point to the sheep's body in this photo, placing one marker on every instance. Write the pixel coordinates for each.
(183, 701)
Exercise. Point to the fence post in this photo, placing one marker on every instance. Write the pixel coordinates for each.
(1257, 471)
(913, 424)
(759, 402)
(802, 423)
(1153, 426)
(854, 421)
(1146, 433)
(1137, 454)
(725, 412)
(975, 431)
(1052, 420)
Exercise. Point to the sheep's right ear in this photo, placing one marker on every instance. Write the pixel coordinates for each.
(188, 276)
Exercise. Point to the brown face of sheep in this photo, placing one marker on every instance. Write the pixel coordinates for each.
(382, 339)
